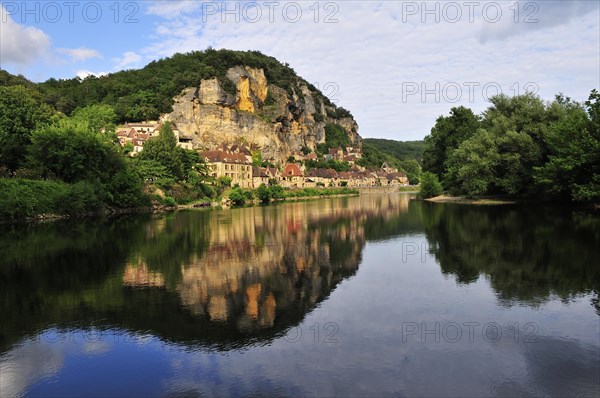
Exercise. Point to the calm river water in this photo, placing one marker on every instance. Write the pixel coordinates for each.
(377, 295)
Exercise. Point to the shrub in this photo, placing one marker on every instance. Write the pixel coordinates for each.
(169, 201)
(430, 185)
(264, 193)
(237, 196)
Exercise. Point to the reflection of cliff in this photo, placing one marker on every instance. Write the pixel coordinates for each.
(264, 261)
(527, 253)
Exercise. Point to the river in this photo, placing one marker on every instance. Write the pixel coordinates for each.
(376, 295)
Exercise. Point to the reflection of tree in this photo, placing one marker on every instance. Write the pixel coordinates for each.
(219, 278)
(528, 253)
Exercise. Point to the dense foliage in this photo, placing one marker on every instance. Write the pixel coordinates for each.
(52, 164)
(520, 146)
(22, 110)
(23, 198)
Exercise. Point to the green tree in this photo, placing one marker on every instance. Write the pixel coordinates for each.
(125, 189)
(264, 193)
(472, 165)
(335, 136)
(73, 153)
(257, 158)
(21, 112)
(151, 171)
(517, 153)
(164, 150)
(447, 134)
(573, 167)
(430, 185)
(224, 181)
(100, 118)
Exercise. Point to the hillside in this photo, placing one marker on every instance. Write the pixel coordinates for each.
(214, 97)
(405, 155)
(401, 150)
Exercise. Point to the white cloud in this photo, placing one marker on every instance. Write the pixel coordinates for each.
(83, 73)
(79, 54)
(130, 59)
(19, 44)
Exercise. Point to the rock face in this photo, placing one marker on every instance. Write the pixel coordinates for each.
(261, 115)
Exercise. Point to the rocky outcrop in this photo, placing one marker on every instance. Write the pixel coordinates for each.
(261, 115)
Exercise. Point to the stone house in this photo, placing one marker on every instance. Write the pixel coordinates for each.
(227, 164)
(292, 176)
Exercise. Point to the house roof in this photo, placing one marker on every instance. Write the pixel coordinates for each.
(322, 173)
(272, 171)
(259, 172)
(292, 170)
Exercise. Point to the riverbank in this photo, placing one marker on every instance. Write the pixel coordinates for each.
(58, 200)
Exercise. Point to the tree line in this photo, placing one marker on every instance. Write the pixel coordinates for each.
(519, 146)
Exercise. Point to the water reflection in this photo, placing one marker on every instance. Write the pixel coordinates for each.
(529, 254)
(222, 278)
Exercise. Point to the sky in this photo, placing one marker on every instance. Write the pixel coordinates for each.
(396, 65)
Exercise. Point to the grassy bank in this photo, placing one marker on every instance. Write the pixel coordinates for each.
(314, 192)
(266, 194)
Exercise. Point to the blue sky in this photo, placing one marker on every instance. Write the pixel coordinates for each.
(397, 65)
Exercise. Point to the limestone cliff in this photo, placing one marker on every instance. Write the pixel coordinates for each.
(267, 117)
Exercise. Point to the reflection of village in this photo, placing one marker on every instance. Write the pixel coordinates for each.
(263, 260)
(236, 162)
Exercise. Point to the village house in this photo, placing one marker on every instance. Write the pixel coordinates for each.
(335, 154)
(323, 177)
(348, 154)
(264, 175)
(139, 133)
(259, 176)
(397, 179)
(292, 176)
(224, 163)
